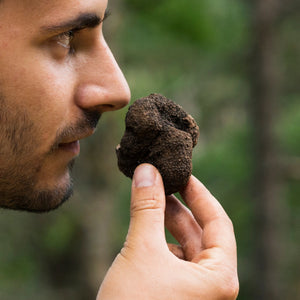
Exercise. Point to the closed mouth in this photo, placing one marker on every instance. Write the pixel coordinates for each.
(73, 147)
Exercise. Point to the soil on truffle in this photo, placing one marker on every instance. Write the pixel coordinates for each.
(159, 132)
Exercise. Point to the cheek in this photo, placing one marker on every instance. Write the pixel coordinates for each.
(42, 88)
(45, 95)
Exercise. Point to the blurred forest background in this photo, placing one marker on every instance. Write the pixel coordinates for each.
(234, 65)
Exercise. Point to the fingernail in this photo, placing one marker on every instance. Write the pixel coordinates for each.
(144, 176)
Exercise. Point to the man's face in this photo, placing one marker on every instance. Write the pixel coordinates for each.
(57, 76)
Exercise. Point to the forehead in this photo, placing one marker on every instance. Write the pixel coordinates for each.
(36, 11)
(55, 5)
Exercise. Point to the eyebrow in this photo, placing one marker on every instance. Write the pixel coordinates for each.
(84, 20)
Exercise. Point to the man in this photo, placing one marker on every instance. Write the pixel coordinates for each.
(57, 77)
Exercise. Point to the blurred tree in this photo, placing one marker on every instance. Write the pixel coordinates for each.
(266, 178)
(270, 207)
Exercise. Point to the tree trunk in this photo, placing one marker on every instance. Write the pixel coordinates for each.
(267, 182)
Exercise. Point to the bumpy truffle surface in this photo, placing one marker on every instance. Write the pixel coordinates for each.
(161, 133)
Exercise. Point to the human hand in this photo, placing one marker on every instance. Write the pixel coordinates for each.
(203, 266)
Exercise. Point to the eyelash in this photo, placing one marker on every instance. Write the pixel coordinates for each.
(67, 36)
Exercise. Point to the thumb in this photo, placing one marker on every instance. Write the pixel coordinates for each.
(147, 208)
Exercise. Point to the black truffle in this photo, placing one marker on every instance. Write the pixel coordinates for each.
(161, 133)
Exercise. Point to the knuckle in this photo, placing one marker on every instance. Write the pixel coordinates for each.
(147, 199)
(226, 222)
(145, 204)
(230, 224)
(230, 290)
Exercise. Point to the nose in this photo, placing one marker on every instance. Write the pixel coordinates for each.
(101, 85)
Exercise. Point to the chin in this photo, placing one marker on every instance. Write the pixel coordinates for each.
(38, 196)
(50, 198)
(46, 201)
(39, 201)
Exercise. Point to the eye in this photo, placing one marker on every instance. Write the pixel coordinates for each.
(65, 39)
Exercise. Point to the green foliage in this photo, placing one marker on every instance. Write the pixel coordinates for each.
(58, 237)
(213, 25)
(288, 126)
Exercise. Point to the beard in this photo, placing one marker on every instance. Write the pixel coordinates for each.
(19, 192)
(20, 163)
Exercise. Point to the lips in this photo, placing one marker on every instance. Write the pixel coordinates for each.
(67, 140)
(72, 147)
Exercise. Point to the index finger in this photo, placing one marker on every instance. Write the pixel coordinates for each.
(215, 223)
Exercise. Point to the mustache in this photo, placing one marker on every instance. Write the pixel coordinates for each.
(82, 127)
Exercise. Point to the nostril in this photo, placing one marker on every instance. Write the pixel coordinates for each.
(106, 107)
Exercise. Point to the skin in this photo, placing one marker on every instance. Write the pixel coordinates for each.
(202, 266)
(52, 94)
(49, 96)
